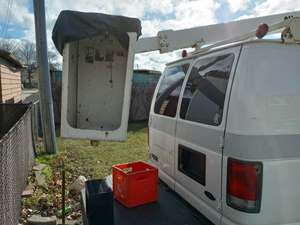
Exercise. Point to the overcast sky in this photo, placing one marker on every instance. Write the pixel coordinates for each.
(16, 16)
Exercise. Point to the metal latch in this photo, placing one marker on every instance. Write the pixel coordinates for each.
(163, 41)
(292, 32)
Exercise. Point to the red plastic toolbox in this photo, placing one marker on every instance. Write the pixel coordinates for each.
(135, 183)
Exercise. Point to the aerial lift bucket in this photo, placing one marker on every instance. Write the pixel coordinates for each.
(97, 75)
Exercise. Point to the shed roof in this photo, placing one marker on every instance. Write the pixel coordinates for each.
(146, 71)
(10, 58)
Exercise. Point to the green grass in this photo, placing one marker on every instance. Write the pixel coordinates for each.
(95, 162)
(80, 158)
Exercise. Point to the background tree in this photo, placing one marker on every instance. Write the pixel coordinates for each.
(26, 53)
(9, 45)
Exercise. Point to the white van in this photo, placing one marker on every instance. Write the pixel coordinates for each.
(224, 131)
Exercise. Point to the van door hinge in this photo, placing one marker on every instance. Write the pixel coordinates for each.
(219, 206)
(221, 143)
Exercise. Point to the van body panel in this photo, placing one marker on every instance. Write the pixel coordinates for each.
(199, 204)
(162, 133)
(162, 145)
(263, 124)
(260, 147)
(265, 96)
(213, 178)
(210, 147)
(204, 139)
(280, 201)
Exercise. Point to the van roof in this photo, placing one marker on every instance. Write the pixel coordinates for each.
(208, 50)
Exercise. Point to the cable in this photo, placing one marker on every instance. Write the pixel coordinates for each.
(4, 19)
(4, 26)
(7, 19)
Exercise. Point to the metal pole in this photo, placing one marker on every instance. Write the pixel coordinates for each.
(46, 102)
(63, 194)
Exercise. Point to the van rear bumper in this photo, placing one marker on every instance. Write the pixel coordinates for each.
(226, 221)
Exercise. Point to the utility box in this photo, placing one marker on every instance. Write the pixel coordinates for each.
(98, 54)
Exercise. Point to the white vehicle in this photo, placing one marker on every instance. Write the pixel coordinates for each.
(224, 130)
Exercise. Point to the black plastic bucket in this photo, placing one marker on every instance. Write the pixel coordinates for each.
(99, 203)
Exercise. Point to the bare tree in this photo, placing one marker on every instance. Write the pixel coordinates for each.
(9, 45)
(53, 58)
(26, 53)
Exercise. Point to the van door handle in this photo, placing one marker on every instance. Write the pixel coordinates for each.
(209, 195)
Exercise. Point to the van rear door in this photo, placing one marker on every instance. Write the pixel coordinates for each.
(200, 131)
(162, 120)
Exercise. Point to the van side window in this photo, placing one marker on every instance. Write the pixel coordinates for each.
(204, 94)
(192, 163)
(169, 90)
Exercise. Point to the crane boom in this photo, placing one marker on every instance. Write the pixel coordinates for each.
(170, 40)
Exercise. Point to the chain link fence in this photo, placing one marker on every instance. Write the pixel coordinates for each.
(16, 158)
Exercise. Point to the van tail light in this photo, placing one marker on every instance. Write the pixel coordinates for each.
(244, 185)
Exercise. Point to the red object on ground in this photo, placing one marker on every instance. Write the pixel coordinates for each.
(135, 183)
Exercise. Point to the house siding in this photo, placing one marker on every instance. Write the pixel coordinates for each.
(10, 85)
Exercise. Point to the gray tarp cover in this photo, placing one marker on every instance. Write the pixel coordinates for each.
(73, 26)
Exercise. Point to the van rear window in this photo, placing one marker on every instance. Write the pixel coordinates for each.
(204, 94)
(168, 93)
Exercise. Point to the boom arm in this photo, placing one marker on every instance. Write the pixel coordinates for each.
(169, 40)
